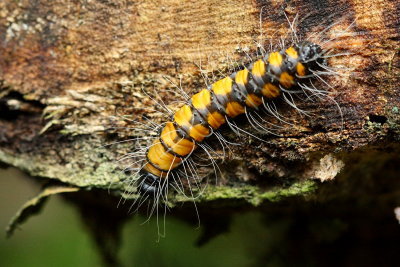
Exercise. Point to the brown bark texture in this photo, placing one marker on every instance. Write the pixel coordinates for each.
(74, 75)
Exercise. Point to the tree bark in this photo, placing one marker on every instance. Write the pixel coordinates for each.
(71, 70)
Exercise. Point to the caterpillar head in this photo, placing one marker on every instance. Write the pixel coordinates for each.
(310, 52)
(148, 184)
(311, 55)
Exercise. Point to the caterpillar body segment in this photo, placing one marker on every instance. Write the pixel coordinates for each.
(206, 111)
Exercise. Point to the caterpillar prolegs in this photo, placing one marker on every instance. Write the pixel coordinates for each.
(248, 89)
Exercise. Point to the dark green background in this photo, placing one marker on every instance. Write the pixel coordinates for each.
(351, 232)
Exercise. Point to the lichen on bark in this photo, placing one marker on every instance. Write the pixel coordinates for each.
(68, 70)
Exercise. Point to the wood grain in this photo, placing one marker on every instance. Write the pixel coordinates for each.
(69, 67)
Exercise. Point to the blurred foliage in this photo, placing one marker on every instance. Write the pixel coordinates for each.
(301, 233)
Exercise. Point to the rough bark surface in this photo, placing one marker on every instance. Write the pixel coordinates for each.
(71, 69)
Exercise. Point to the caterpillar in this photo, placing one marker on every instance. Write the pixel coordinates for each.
(279, 73)
(225, 99)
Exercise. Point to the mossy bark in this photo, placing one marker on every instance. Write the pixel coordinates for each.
(69, 68)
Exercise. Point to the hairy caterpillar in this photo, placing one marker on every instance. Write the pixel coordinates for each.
(278, 74)
(227, 98)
